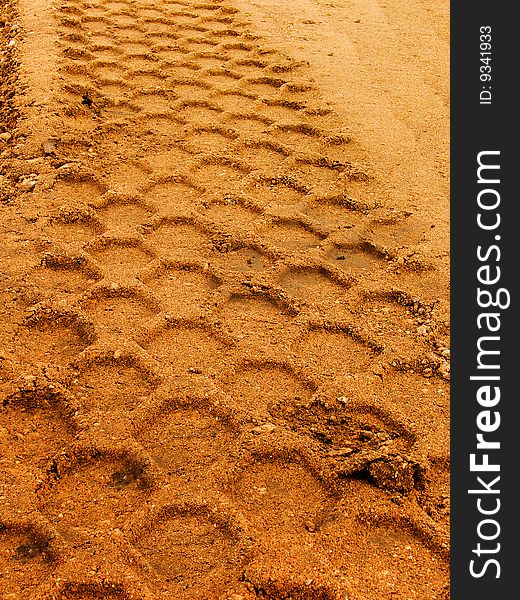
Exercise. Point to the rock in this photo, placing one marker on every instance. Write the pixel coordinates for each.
(265, 428)
(49, 147)
(310, 527)
(444, 369)
(66, 168)
(379, 371)
(28, 185)
(340, 452)
(6, 136)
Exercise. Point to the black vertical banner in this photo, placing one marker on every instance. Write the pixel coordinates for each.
(485, 426)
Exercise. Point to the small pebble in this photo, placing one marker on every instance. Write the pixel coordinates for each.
(310, 527)
(265, 428)
(28, 185)
(340, 452)
(48, 147)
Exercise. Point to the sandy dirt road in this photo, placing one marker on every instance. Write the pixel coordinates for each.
(224, 365)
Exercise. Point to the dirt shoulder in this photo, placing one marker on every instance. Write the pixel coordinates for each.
(384, 67)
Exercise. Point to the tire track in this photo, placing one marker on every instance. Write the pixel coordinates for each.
(213, 326)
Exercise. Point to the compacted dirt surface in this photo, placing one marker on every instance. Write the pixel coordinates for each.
(224, 365)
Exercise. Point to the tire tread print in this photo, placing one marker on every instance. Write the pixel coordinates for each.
(236, 152)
